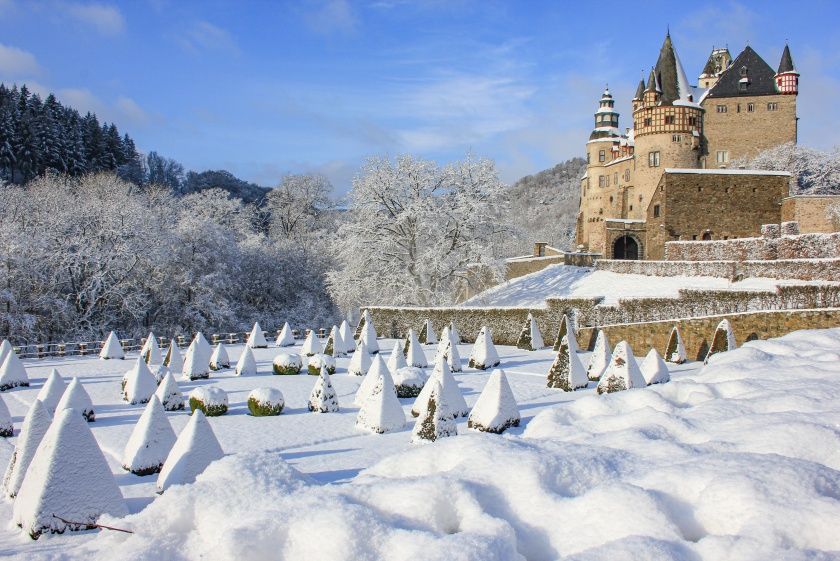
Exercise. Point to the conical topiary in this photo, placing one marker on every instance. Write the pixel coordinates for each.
(414, 355)
(361, 325)
(722, 341)
(68, 485)
(530, 339)
(76, 397)
(202, 343)
(567, 372)
(194, 450)
(381, 411)
(454, 333)
(347, 336)
(33, 429)
(169, 394)
(675, 351)
(376, 370)
(173, 358)
(335, 344)
(210, 400)
(111, 348)
(52, 391)
(369, 336)
(266, 402)
(138, 384)
(496, 408)
(311, 345)
(600, 358)
(435, 420)
(623, 373)
(5, 349)
(448, 349)
(285, 338)
(654, 369)
(567, 331)
(247, 364)
(451, 392)
(151, 350)
(396, 359)
(197, 360)
(427, 333)
(256, 339)
(360, 362)
(150, 441)
(220, 358)
(483, 354)
(7, 429)
(323, 398)
(12, 372)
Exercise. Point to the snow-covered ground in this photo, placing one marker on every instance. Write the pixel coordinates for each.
(737, 460)
(584, 282)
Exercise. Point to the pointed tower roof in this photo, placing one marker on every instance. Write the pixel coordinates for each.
(760, 78)
(653, 82)
(786, 64)
(673, 81)
(640, 91)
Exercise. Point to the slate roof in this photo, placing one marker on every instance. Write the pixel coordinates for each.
(786, 64)
(761, 77)
(640, 91)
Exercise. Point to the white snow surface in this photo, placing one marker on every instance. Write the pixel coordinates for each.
(737, 460)
(32, 431)
(256, 339)
(6, 425)
(76, 397)
(654, 368)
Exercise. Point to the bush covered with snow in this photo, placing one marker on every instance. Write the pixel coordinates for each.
(409, 381)
(316, 362)
(723, 340)
(654, 369)
(285, 338)
(7, 429)
(173, 359)
(138, 384)
(150, 441)
(381, 411)
(287, 364)
(111, 348)
(323, 398)
(52, 391)
(600, 357)
(194, 450)
(247, 364)
(483, 354)
(335, 345)
(427, 333)
(311, 345)
(32, 431)
(219, 358)
(530, 339)
(12, 372)
(414, 355)
(451, 392)
(496, 409)
(675, 350)
(266, 402)
(76, 397)
(256, 339)
(396, 359)
(211, 400)
(360, 362)
(623, 372)
(567, 372)
(197, 359)
(169, 394)
(150, 351)
(435, 419)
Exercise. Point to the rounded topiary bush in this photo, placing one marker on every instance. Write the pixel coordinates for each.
(266, 402)
(211, 400)
(409, 381)
(317, 361)
(287, 364)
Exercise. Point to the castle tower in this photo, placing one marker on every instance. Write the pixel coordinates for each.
(719, 60)
(787, 78)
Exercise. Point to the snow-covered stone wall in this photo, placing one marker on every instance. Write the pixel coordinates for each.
(798, 269)
(802, 246)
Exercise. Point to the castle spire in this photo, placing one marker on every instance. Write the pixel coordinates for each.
(640, 91)
(787, 78)
(786, 64)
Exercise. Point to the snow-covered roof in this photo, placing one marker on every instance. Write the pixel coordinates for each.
(618, 160)
(726, 171)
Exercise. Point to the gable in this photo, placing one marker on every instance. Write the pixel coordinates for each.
(747, 65)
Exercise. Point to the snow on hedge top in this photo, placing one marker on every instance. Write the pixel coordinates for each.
(195, 449)
(623, 372)
(111, 348)
(32, 431)
(68, 477)
(369, 336)
(256, 339)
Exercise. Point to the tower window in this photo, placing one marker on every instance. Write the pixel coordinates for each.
(656, 211)
(601, 182)
(720, 108)
(602, 155)
(773, 106)
(722, 156)
(692, 121)
(676, 138)
(669, 119)
(653, 159)
(750, 107)
(631, 207)
(615, 178)
(627, 175)
(648, 121)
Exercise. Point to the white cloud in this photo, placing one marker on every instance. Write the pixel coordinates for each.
(124, 111)
(332, 16)
(203, 35)
(17, 63)
(106, 19)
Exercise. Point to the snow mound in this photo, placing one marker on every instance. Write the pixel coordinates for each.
(414, 355)
(318, 362)
(323, 398)
(7, 429)
(654, 368)
(35, 426)
(220, 358)
(285, 338)
(211, 400)
(150, 351)
(409, 381)
(311, 345)
(12, 372)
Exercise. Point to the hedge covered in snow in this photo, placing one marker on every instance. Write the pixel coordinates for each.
(801, 246)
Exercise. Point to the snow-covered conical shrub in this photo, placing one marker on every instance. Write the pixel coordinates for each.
(360, 362)
(675, 351)
(347, 336)
(409, 381)
(319, 361)
(5, 349)
(12, 372)
(173, 358)
(566, 331)
(600, 357)
(530, 339)
(33, 429)
(196, 361)
(169, 394)
(566, 372)
(151, 350)
(448, 349)
(150, 441)
(247, 364)
(159, 371)
(427, 333)
(285, 338)
(363, 319)
(496, 409)
(76, 397)
(211, 400)
(323, 398)
(256, 339)
(203, 344)
(266, 402)
(414, 355)
(220, 358)
(484, 355)
(722, 341)
(287, 364)
(623, 373)
(451, 392)
(435, 420)
(396, 359)
(335, 344)
(111, 348)
(7, 429)
(194, 450)
(52, 391)
(138, 384)
(373, 373)
(654, 369)
(311, 345)
(68, 479)
(381, 411)
(369, 336)
(454, 333)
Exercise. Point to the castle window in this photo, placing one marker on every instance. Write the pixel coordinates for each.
(587, 157)
(669, 119)
(738, 108)
(615, 178)
(653, 159)
(627, 175)
(648, 121)
(601, 182)
(631, 207)
(692, 121)
(656, 211)
(694, 237)
(722, 156)
(676, 138)
(750, 107)
(721, 108)
(773, 106)
(611, 199)
(602, 155)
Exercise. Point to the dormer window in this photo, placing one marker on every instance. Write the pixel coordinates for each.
(743, 71)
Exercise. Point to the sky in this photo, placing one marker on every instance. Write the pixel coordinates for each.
(263, 89)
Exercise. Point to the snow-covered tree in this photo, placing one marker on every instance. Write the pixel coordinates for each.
(451, 392)
(409, 381)
(138, 384)
(311, 345)
(427, 333)
(654, 369)
(69, 484)
(347, 336)
(435, 420)
(111, 348)
(320, 361)
(12, 373)
(285, 338)
(256, 339)
(414, 355)
(287, 364)
(600, 357)
(675, 351)
(623, 372)
(396, 359)
(151, 350)
(323, 398)
(33, 429)
(530, 338)
(7, 429)
(76, 397)
(566, 372)
(722, 341)
(813, 172)
(381, 410)
(496, 409)
(220, 358)
(52, 391)
(360, 361)
(483, 354)
(169, 394)
(210, 400)
(417, 229)
(567, 332)
(194, 450)
(173, 358)
(266, 402)
(247, 364)
(375, 371)
(150, 442)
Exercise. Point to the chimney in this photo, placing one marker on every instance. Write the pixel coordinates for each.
(539, 249)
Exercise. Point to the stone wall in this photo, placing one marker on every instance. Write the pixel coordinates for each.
(793, 269)
(697, 332)
(811, 211)
(803, 246)
(521, 266)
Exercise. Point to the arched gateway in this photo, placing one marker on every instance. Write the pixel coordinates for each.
(626, 247)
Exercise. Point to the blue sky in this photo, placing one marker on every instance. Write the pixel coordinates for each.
(267, 88)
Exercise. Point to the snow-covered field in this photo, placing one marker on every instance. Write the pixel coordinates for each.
(583, 282)
(737, 460)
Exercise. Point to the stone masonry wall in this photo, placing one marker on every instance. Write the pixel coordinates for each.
(811, 211)
(803, 246)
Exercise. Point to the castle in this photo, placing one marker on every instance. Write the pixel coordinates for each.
(671, 176)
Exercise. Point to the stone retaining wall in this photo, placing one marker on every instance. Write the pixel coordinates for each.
(793, 269)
